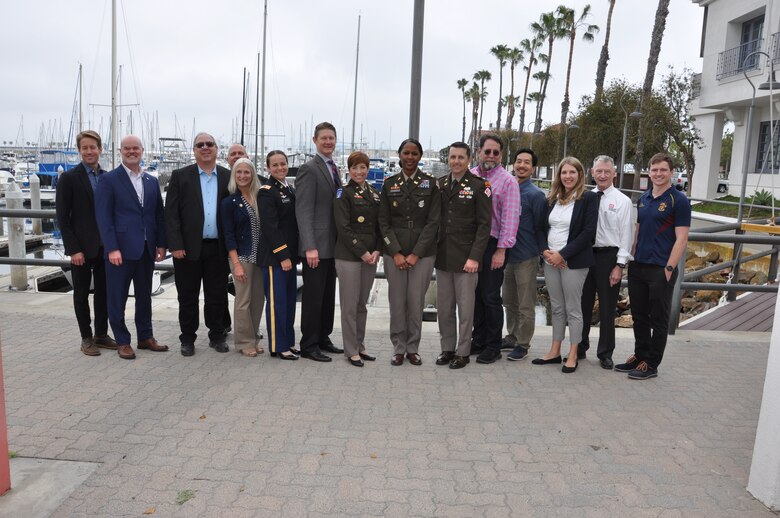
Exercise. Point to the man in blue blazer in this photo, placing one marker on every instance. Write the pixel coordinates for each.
(131, 221)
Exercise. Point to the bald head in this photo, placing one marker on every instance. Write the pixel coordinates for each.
(132, 152)
(236, 151)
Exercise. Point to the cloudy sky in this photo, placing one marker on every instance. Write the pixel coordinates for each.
(184, 60)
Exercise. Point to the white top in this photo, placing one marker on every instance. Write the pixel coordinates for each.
(137, 179)
(616, 226)
(560, 220)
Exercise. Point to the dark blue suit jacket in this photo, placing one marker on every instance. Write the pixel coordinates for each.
(236, 226)
(578, 251)
(123, 223)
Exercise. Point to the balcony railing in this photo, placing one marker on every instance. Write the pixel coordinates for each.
(732, 62)
(775, 48)
(695, 86)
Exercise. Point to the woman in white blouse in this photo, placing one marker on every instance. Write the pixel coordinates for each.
(572, 217)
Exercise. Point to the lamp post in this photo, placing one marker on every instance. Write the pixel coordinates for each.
(573, 125)
(636, 114)
(531, 131)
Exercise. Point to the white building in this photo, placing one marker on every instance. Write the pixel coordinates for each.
(732, 31)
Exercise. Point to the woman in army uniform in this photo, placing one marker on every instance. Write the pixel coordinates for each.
(356, 253)
(409, 213)
(276, 200)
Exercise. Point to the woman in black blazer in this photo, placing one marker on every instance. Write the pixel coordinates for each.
(572, 216)
(241, 229)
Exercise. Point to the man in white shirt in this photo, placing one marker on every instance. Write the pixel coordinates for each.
(612, 251)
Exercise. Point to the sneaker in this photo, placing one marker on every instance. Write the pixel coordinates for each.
(517, 354)
(508, 343)
(89, 348)
(489, 356)
(630, 364)
(642, 372)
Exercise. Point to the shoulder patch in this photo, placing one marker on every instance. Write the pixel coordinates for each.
(266, 186)
(339, 192)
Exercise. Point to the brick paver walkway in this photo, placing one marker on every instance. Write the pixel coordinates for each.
(262, 437)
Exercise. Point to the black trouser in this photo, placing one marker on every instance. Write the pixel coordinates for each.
(651, 300)
(82, 276)
(597, 281)
(488, 309)
(210, 269)
(318, 304)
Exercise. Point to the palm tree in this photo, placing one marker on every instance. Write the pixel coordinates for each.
(550, 27)
(538, 97)
(501, 53)
(514, 56)
(482, 76)
(462, 87)
(571, 23)
(601, 70)
(531, 47)
(647, 89)
(473, 96)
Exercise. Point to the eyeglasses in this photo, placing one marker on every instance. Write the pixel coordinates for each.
(494, 152)
(201, 145)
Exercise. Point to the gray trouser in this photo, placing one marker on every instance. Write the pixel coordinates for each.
(406, 293)
(247, 306)
(455, 289)
(355, 281)
(519, 295)
(565, 289)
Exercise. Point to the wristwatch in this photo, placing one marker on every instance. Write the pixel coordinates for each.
(669, 268)
(620, 265)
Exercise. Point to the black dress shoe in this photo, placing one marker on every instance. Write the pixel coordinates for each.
(287, 356)
(542, 361)
(445, 358)
(414, 358)
(356, 363)
(187, 349)
(367, 357)
(569, 370)
(316, 356)
(219, 346)
(458, 362)
(295, 351)
(606, 363)
(330, 348)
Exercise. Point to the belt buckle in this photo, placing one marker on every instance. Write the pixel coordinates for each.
(410, 224)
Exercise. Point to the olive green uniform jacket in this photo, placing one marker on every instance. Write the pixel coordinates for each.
(409, 213)
(356, 212)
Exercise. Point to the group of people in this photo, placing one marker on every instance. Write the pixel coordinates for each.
(484, 230)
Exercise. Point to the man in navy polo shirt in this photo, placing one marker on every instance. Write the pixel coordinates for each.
(663, 220)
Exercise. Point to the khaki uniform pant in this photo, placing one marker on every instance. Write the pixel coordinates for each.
(406, 293)
(247, 307)
(455, 290)
(355, 281)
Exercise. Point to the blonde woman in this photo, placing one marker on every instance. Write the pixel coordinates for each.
(241, 228)
(572, 216)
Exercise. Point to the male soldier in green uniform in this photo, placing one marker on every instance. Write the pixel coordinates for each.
(464, 230)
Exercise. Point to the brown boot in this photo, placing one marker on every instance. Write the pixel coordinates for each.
(126, 352)
(89, 348)
(105, 342)
(152, 345)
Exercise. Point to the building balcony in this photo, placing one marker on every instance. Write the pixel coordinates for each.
(775, 53)
(732, 61)
(695, 85)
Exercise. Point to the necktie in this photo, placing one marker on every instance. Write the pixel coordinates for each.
(335, 172)
(600, 194)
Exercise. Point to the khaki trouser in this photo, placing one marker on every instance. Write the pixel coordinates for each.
(355, 281)
(455, 290)
(247, 307)
(406, 294)
(519, 295)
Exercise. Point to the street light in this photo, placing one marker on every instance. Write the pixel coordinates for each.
(533, 134)
(636, 114)
(573, 125)
(770, 85)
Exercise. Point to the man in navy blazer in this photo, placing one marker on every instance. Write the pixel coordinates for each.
(131, 220)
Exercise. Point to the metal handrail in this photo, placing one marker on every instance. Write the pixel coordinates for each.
(732, 61)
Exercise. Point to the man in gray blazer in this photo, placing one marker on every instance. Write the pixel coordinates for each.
(315, 190)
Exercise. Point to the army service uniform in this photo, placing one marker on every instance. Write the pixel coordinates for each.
(409, 213)
(463, 234)
(356, 213)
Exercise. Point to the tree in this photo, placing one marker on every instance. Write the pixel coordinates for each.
(473, 96)
(601, 70)
(571, 23)
(678, 122)
(531, 47)
(501, 53)
(482, 76)
(514, 56)
(549, 27)
(462, 87)
(727, 144)
(652, 61)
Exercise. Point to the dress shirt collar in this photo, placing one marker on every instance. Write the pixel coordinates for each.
(203, 171)
(132, 173)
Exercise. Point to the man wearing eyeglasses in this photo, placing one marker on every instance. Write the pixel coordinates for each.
(488, 309)
(196, 243)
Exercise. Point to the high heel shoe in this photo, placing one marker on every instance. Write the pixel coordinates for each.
(288, 356)
(569, 370)
(356, 363)
(542, 361)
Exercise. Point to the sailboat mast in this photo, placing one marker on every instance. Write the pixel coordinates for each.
(114, 125)
(262, 92)
(81, 112)
(354, 97)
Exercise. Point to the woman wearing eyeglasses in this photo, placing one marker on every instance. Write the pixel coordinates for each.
(572, 216)
(409, 212)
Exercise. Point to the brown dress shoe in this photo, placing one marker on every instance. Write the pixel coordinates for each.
(398, 359)
(89, 348)
(126, 352)
(414, 358)
(458, 362)
(152, 345)
(445, 357)
(105, 342)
